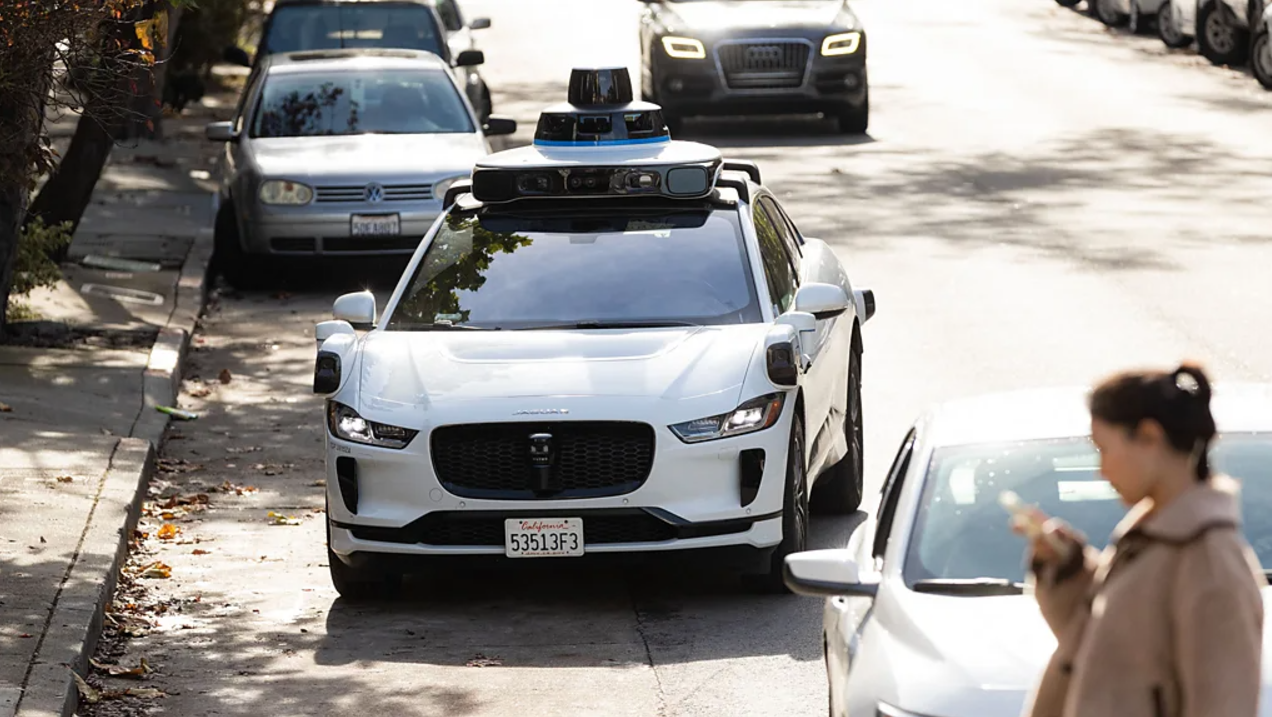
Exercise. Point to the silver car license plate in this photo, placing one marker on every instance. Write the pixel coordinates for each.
(378, 225)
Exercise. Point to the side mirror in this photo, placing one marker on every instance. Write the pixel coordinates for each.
(823, 301)
(496, 126)
(326, 329)
(221, 132)
(358, 309)
(470, 58)
(479, 23)
(825, 573)
(236, 56)
(865, 300)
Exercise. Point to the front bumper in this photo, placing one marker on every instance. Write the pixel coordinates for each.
(315, 230)
(797, 80)
(713, 494)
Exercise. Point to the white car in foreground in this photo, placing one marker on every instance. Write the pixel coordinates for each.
(925, 613)
(610, 342)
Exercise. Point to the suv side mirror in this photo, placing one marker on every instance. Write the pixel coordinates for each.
(357, 308)
(825, 573)
(496, 126)
(479, 23)
(221, 132)
(236, 56)
(470, 58)
(823, 301)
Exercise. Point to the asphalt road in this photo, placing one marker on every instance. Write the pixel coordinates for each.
(1040, 201)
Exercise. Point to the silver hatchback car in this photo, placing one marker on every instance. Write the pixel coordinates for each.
(340, 153)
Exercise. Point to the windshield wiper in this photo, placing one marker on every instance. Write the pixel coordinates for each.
(443, 326)
(612, 325)
(972, 586)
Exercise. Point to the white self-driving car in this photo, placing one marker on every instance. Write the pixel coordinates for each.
(610, 342)
(925, 612)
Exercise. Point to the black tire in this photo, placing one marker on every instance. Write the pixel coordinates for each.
(1261, 60)
(360, 584)
(1169, 30)
(241, 269)
(855, 120)
(1067, 3)
(1218, 40)
(1108, 15)
(839, 490)
(795, 515)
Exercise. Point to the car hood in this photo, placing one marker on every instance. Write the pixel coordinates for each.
(974, 656)
(420, 369)
(712, 15)
(377, 157)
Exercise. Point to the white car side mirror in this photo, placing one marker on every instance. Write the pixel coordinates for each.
(326, 329)
(220, 132)
(826, 573)
(358, 309)
(865, 300)
(823, 301)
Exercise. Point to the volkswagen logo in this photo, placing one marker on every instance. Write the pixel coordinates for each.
(373, 193)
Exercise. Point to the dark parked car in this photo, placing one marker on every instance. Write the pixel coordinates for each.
(731, 57)
(435, 26)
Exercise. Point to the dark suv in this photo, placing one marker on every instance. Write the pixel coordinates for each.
(435, 26)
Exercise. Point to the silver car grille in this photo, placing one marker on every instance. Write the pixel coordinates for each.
(763, 64)
(362, 192)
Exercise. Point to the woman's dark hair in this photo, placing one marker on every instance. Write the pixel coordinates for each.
(1179, 400)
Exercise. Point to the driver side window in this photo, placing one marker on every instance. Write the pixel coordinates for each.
(891, 494)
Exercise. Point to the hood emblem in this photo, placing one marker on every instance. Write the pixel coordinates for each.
(373, 193)
(541, 412)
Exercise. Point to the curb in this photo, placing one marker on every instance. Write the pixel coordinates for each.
(76, 621)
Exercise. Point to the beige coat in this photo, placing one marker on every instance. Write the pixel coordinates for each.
(1166, 622)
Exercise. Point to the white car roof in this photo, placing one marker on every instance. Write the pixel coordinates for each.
(1061, 412)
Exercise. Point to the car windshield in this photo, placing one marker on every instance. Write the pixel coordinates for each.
(597, 265)
(294, 28)
(961, 532)
(361, 102)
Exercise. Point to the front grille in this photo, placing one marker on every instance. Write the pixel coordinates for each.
(346, 244)
(391, 193)
(763, 65)
(592, 459)
(461, 529)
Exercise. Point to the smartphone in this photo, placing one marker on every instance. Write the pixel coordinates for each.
(1032, 523)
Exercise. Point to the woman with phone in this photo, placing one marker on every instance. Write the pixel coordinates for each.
(1167, 621)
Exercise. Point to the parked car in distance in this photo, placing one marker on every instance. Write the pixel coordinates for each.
(1261, 50)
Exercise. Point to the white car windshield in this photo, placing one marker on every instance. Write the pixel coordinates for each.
(598, 266)
(409, 26)
(961, 532)
(365, 102)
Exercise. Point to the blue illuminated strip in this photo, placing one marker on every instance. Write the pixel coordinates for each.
(599, 142)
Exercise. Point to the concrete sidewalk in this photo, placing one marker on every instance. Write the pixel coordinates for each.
(78, 426)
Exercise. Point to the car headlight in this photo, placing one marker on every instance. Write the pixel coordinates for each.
(845, 43)
(282, 191)
(684, 48)
(439, 188)
(345, 423)
(754, 415)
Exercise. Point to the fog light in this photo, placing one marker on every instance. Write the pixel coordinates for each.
(676, 85)
(852, 82)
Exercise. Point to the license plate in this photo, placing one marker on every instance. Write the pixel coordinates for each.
(543, 537)
(377, 225)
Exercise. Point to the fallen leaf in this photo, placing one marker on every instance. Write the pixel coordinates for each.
(64, 479)
(156, 570)
(6, 408)
(280, 519)
(168, 531)
(225, 376)
(200, 551)
(137, 672)
(228, 487)
(320, 483)
(42, 540)
(85, 689)
(200, 392)
(144, 692)
(25, 636)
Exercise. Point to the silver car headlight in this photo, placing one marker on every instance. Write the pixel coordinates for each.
(346, 424)
(440, 188)
(283, 191)
(754, 415)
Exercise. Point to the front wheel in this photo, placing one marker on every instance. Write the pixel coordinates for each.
(1109, 15)
(795, 514)
(1170, 29)
(1261, 60)
(839, 490)
(1218, 39)
(242, 270)
(360, 584)
(855, 120)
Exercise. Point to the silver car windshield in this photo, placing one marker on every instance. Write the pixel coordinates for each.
(962, 533)
(359, 102)
(603, 266)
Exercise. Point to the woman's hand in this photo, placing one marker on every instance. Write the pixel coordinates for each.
(1051, 540)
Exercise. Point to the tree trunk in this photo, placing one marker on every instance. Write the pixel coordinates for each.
(149, 104)
(20, 125)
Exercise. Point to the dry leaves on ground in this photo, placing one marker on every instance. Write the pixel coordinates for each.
(236, 489)
(136, 673)
(6, 408)
(93, 695)
(225, 376)
(156, 569)
(64, 479)
(168, 531)
(481, 660)
(248, 449)
(177, 465)
(280, 519)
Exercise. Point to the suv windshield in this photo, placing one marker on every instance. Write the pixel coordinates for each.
(962, 533)
(294, 28)
(365, 102)
(602, 264)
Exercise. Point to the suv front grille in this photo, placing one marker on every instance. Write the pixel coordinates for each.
(391, 193)
(590, 459)
(763, 65)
